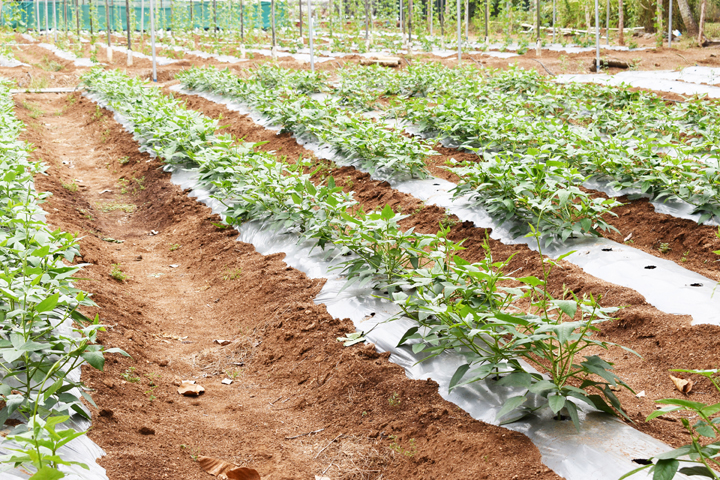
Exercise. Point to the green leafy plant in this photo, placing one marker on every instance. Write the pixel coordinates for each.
(117, 273)
(129, 375)
(702, 454)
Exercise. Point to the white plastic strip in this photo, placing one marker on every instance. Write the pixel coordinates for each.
(124, 49)
(78, 62)
(11, 63)
(664, 284)
(647, 79)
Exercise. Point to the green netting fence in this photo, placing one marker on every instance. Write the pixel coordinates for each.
(169, 15)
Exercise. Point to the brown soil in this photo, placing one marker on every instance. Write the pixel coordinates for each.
(663, 341)
(291, 375)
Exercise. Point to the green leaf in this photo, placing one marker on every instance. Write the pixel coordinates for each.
(572, 411)
(47, 473)
(665, 469)
(516, 379)
(458, 375)
(510, 405)
(568, 307)
(387, 213)
(699, 470)
(48, 304)
(95, 359)
(557, 402)
(676, 453)
(410, 332)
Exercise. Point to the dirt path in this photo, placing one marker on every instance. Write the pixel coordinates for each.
(291, 376)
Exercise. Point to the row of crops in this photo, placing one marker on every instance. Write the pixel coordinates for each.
(456, 304)
(538, 143)
(282, 97)
(44, 338)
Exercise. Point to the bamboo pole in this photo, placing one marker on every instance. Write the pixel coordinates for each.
(701, 27)
(670, 22)
(129, 38)
(107, 28)
(310, 34)
(409, 20)
(487, 21)
(621, 23)
(597, 37)
(459, 36)
(467, 20)
(607, 24)
(54, 19)
(152, 41)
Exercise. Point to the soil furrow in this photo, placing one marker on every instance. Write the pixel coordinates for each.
(191, 283)
(664, 341)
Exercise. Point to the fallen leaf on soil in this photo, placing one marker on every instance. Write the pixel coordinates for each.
(683, 385)
(190, 390)
(223, 342)
(225, 470)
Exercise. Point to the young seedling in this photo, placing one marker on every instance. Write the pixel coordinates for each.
(232, 274)
(117, 274)
(394, 400)
(70, 187)
(129, 375)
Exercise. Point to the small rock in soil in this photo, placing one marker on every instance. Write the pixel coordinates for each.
(163, 363)
(190, 390)
(106, 412)
(226, 381)
(109, 383)
(222, 343)
(147, 431)
(138, 258)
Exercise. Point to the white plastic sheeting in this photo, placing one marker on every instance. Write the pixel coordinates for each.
(665, 285)
(198, 53)
(124, 49)
(78, 62)
(689, 81)
(11, 62)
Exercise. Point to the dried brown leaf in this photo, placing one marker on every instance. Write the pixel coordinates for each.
(685, 386)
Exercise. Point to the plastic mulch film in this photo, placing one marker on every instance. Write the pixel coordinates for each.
(135, 54)
(663, 81)
(198, 53)
(11, 63)
(603, 449)
(78, 62)
(664, 284)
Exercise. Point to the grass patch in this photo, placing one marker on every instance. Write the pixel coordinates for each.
(111, 207)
